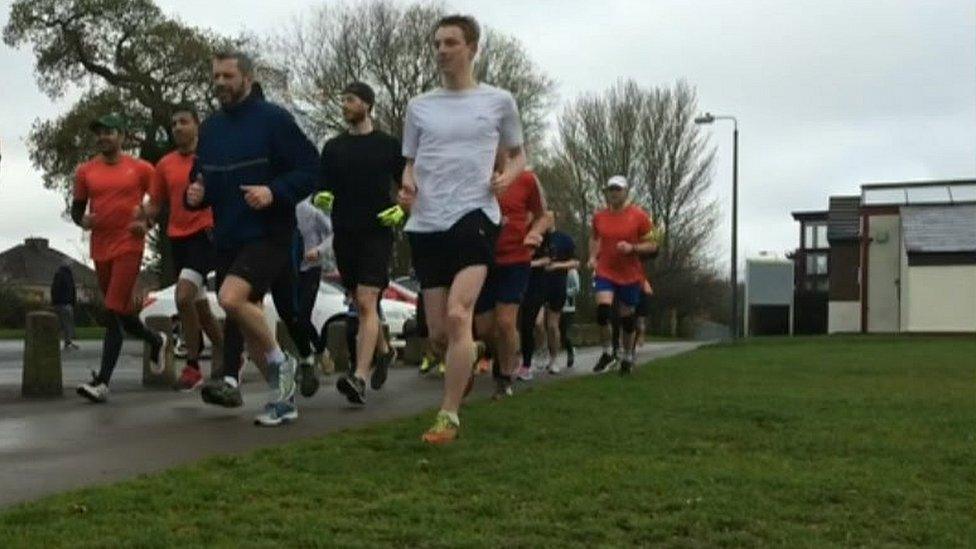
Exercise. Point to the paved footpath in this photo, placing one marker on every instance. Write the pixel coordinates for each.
(49, 446)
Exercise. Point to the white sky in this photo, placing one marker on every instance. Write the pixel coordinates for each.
(829, 93)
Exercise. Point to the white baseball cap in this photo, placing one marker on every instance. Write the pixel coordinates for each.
(617, 181)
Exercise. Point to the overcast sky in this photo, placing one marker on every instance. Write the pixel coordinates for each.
(829, 94)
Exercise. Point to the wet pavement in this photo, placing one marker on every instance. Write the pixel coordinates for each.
(53, 445)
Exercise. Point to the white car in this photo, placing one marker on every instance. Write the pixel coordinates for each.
(330, 305)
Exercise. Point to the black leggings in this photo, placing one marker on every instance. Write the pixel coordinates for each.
(308, 290)
(565, 323)
(115, 328)
(528, 312)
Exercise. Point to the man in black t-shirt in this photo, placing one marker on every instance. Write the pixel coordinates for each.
(562, 251)
(361, 169)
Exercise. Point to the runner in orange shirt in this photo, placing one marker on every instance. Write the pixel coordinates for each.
(189, 233)
(620, 234)
(524, 222)
(111, 187)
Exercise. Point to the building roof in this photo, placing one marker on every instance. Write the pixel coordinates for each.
(843, 218)
(939, 229)
(810, 216)
(953, 191)
(34, 263)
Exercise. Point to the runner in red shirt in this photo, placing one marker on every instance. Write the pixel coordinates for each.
(620, 233)
(524, 222)
(189, 233)
(111, 187)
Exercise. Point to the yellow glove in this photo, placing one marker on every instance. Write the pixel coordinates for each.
(657, 234)
(392, 216)
(323, 201)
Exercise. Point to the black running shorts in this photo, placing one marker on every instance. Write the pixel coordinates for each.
(194, 252)
(439, 256)
(363, 257)
(259, 262)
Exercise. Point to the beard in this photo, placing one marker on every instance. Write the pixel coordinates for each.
(228, 95)
(353, 117)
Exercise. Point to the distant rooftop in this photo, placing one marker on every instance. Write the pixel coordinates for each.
(958, 191)
(940, 229)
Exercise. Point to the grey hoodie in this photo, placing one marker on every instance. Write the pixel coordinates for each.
(316, 229)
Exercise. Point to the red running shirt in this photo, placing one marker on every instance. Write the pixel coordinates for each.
(521, 205)
(113, 192)
(630, 224)
(170, 183)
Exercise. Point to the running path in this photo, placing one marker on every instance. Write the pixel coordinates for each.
(56, 445)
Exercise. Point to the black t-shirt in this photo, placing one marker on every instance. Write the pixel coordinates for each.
(561, 248)
(360, 171)
(537, 276)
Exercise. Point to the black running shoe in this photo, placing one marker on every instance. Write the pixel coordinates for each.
(220, 393)
(381, 368)
(353, 387)
(308, 379)
(602, 364)
(625, 367)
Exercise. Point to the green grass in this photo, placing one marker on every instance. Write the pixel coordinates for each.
(808, 442)
(81, 333)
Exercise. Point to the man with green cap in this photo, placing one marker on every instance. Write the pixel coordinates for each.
(109, 195)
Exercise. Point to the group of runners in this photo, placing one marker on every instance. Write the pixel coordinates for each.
(250, 198)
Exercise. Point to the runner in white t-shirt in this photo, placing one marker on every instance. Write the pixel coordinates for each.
(452, 139)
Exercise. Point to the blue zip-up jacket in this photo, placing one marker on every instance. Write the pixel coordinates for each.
(254, 143)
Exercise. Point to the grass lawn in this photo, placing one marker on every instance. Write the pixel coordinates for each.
(805, 442)
(81, 333)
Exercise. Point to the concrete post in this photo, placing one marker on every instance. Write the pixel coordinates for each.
(336, 342)
(413, 351)
(42, 356)
(166, 379)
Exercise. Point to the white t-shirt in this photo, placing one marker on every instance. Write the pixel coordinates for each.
(453, 136)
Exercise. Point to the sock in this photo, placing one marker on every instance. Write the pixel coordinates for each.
(452, 416)
(230, 380)
(275, 356)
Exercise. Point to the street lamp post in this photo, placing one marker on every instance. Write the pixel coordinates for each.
(708, 118)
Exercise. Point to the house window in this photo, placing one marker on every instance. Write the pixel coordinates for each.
(815, 236)
(816, 264)
(823, 284)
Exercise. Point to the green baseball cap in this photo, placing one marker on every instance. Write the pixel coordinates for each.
(110, 121)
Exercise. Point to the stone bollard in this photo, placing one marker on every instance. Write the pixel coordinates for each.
(166, 379)
(336, 342)
(42, 356)
(413, 351)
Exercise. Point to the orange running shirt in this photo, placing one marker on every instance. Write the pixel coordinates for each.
(520, 199)
(113, 191)
(170, 183)
(630, 224)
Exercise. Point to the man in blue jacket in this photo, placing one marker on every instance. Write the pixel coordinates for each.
(253, 166)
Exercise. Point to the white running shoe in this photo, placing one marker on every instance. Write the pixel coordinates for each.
(94, 390)
(157, 362)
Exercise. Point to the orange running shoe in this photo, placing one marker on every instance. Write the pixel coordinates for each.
(444, 431)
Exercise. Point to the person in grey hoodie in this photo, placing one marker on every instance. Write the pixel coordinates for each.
(315, 228)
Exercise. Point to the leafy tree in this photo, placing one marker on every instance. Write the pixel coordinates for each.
(123, 56)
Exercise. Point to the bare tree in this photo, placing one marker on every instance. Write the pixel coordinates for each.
(649, 136)
(389, 47)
